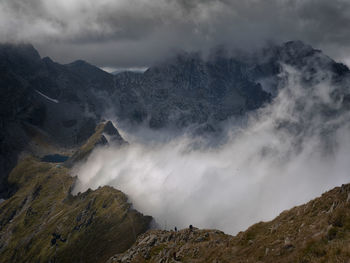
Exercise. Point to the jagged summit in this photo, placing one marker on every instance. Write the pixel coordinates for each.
(187, 90)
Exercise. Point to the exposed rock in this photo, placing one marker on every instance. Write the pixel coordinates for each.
(292, 240)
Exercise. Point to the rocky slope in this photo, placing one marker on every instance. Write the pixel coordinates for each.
(318, 231)
(44, 222)
(189, 90)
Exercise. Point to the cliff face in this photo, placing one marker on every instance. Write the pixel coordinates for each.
(190, 91)
(187, 90)
(318, 231)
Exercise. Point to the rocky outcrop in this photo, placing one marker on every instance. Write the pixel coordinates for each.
(318, 231)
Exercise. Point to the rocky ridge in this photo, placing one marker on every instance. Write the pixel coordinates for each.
(99, 138)
(318, 231)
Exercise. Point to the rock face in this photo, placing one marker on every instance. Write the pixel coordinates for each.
(43, 222)
(318, 231)
(187, 90)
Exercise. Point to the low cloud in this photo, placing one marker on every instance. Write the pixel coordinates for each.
(127, 33)
(288, 153)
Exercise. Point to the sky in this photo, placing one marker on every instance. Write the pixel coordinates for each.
(137, 33)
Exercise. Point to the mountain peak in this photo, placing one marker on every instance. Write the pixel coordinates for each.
(22, 49)
(79, 63)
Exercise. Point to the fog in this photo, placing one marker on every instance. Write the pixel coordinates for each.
(286, 153)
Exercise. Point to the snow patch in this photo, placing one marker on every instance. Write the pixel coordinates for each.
(47, 97)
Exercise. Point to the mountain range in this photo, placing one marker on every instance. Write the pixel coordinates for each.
(66, 102)
(47, 108)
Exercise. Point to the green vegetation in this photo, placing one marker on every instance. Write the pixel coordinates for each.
(318, 231)
(43, 222)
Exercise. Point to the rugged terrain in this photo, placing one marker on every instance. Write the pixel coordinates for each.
(49, 108)
(318, 231)
(44, 222)
(190, 90)
(41, 98)
(187, 92)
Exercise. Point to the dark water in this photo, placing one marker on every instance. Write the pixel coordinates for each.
(54, 158)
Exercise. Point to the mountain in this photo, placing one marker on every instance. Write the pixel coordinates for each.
(44, 222)
(50, 111)
(318, 231)
(187, 90)
(64, 103)
(41, 98)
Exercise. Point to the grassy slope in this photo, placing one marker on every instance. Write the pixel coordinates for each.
(318, 231)
(43, 221)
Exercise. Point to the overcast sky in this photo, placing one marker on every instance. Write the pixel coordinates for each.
(136, 33)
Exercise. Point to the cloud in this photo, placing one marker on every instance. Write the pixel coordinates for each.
(288, 153)
(137, 33)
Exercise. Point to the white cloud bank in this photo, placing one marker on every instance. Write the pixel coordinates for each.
(289, 152)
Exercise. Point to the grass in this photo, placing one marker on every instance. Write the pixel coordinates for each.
(318, 231)
(91, 227)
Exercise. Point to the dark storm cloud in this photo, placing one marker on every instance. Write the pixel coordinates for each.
(136, 33)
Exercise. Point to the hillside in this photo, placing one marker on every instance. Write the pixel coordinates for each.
(318, 231)
(38, 95)
(49, 109)
(44, 222)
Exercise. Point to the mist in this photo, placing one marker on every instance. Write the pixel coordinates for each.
(285, 154)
